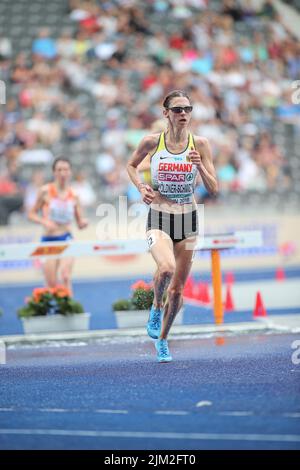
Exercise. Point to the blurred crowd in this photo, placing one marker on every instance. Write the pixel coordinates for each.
(235, 59)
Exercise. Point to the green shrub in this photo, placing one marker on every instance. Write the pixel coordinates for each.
(141, 298)
(122, 304)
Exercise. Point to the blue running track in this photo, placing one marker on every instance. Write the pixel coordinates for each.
(235, 392)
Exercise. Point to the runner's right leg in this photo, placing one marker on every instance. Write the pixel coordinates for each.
(162, 252)
(50, 269)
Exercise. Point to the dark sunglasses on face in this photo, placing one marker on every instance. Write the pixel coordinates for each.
(179, 109)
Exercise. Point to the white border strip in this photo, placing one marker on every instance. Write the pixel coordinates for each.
(21, 251)
(155, 435)
(235, 328)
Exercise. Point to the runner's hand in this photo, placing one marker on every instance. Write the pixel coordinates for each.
(49, 224)
(83, 223)
(194, 157)
(147, 193)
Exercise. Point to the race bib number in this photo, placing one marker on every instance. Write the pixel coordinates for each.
(151, 240)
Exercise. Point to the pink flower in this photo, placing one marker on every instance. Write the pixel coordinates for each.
(141, 285)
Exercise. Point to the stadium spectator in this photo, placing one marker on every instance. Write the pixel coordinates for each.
(11, 198)
(108, 70)
(44, 45)
(84, 190)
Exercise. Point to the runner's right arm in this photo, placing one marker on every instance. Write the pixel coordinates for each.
(145, 147)
(33, 213)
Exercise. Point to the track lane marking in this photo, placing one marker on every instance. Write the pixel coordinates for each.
(155, 435)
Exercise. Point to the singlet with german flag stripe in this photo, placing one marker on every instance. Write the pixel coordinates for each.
(60, 210)
(171, 174)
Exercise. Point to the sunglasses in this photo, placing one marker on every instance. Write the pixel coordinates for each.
(179, 109)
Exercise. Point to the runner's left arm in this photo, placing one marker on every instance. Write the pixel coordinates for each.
(202, 158)
(80, 220)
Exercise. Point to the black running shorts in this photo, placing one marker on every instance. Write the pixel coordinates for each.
(177, 226)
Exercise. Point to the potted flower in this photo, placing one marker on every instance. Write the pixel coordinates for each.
(52, 310)
(134, 312)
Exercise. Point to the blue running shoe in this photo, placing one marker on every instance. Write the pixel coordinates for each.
(163, 353)
(154, 322)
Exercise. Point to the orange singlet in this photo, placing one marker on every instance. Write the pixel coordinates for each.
(57, 209)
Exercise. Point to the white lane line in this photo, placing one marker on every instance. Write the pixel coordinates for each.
(294, 415)
(204, 403)
(63, 410)
(53, 410)
(155, 435)
(119, 412)
(291, 415)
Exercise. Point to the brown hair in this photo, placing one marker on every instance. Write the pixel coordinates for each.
(174, 94)
(61, 158)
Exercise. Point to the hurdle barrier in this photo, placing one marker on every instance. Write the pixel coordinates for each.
(214, 243)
